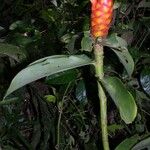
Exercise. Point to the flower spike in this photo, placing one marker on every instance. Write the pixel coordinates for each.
(101, 17)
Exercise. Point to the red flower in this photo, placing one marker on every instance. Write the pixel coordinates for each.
(101, 17)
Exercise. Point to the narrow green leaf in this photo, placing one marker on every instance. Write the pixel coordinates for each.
(128, 143)
(122, 98)
(46, 67)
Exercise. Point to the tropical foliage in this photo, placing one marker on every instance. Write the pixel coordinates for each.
(49, 94)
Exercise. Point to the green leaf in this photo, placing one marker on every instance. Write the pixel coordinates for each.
(12, 51)
(63, 77)
(81, 91)
(50, 98)
(119, 46)
(71, 45)
(122, 98)
(144, 144)
(46, 67)
(86, 43)
(115, 41)
(128, 143)
(145, 79)
(126, 60)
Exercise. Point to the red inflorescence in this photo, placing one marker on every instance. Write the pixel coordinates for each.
(101, 17)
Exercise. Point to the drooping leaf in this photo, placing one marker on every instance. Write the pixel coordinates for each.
(12, 51)
(122, 98)
(145, 79)
(126, 60)
(119, 46)
(63, 77)
(128, 143)
(144, 144)
(46, 67)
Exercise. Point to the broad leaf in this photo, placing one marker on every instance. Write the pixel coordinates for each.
(46, 67)
(119, 46)
(122, 98)
(12, 51)
(144, 144)
(128, 143)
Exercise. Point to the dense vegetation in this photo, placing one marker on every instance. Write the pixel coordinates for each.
(61, 111)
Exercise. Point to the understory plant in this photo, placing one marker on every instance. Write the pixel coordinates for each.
(95, 44)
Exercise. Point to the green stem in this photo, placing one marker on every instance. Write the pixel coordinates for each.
(58, 125)
(60, 107)
(99, 55)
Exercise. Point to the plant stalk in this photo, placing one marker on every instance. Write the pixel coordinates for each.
(99, 55)
(60, 107)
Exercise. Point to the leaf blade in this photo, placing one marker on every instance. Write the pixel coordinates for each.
(128, 143)
(119, 47)
(45, 67)
(122, 98)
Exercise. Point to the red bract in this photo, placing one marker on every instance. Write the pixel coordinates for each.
(101, 17)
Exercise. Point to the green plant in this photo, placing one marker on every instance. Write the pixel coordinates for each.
(64, 72)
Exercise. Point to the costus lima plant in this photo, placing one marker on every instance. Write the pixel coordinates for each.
(65, 79)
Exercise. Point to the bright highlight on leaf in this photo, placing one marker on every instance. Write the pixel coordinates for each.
(101, 17)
